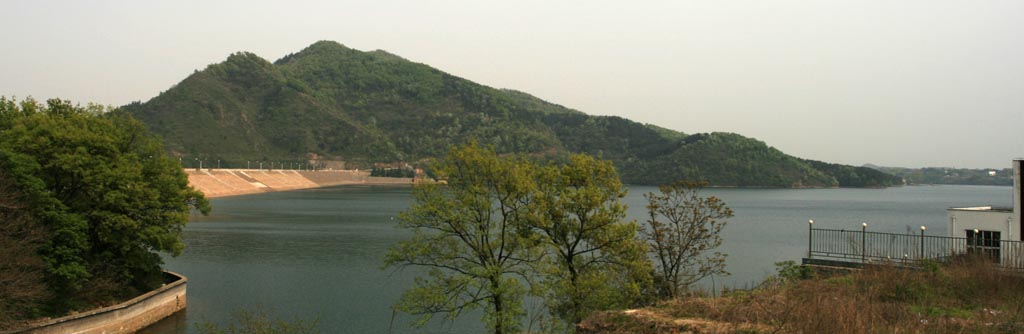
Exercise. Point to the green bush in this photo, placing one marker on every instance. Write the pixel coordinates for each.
(105, 191)
(789, 270)
(259, 321)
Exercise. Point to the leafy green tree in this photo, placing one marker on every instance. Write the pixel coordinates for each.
(594, 259)
(684, 227)
(105, 190)
(473, 237)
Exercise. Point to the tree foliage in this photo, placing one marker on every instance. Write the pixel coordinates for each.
(23, 290)
(595, 260)
(472, 235)
(683, 228)
(259, 320)
(850, 176)
(496, 229)
(104, 190)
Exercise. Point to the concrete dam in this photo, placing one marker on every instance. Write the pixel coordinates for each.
(231, 182)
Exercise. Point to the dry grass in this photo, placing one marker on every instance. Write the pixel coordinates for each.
(965, 297)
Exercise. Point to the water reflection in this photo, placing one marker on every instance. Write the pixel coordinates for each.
(318, 253)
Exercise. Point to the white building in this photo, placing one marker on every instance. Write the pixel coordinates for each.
(986, 227)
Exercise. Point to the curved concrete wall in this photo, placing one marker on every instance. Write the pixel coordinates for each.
(230, 182)
(123, 318)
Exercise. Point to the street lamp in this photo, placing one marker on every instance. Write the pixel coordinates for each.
(977, 234)
(810, 238)
(922, 241)
(863, 242)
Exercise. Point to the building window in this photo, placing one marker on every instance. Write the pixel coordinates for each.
(984, 243)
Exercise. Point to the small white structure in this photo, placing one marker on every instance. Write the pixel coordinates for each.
(985, 227)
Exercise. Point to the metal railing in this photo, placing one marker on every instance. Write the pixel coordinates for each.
(867, 247)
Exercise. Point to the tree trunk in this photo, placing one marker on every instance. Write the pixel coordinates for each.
(577, 316)
(499, 323)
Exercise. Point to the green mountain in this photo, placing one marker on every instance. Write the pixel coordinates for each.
(361, 107)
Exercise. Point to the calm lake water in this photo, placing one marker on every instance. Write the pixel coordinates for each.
(317, 253)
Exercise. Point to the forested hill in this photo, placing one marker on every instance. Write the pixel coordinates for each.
(366, 107)
(949, 175)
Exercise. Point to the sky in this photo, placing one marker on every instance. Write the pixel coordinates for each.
(911, 83)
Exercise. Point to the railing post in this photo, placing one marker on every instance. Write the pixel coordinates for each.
(922, 257)
(863, 242)
(976, 249)
(810, 238)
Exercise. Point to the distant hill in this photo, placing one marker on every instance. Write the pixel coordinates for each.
(364, 107)
(850, 176)
(947, 175)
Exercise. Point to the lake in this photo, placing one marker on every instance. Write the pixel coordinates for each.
(317, 253)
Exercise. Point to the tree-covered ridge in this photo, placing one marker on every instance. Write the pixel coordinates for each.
(734, 160)
(947, 175)
(850, 176)
(364, 107)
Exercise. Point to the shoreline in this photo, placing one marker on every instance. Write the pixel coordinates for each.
(216, 183)
(126, 317)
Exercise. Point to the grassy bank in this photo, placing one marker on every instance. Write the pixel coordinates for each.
(963, 297)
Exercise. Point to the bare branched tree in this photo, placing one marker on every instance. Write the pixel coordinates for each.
(683, 227)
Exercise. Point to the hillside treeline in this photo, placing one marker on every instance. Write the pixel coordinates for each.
(338, 103)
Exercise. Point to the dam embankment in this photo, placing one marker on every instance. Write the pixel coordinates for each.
(232, 182)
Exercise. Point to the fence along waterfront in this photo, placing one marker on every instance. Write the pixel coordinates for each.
(866, 247)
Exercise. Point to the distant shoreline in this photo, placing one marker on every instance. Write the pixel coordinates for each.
(217, 183)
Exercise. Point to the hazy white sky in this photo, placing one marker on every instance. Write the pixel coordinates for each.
(897, 83)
